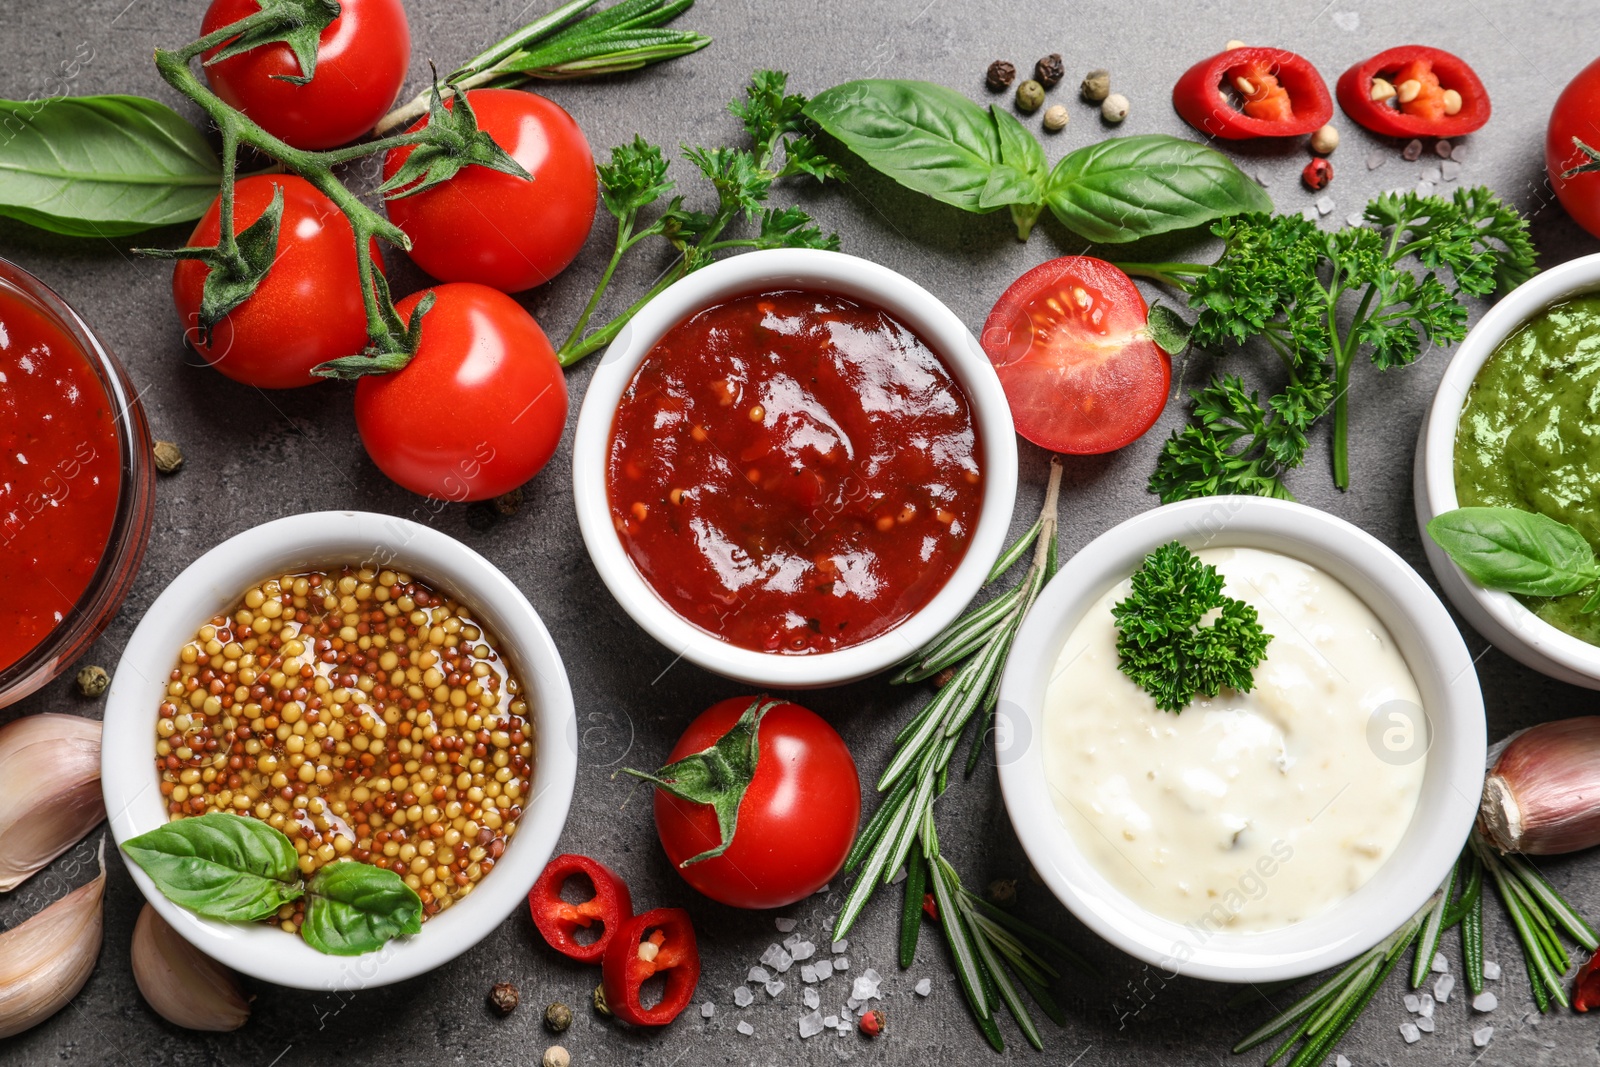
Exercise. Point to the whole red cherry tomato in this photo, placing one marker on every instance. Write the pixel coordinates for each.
(1069, 342)
(362, 58)
(480, 407)
(498, 229)
(796, 819)
(1572, 148)
(307, 309)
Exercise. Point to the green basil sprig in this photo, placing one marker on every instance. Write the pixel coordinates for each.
(103, 166)
(1521, 552)
(237, 869)
(937, 142)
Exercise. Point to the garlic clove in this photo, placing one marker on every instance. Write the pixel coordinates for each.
(46, 960)
(49, 791)
(184, 985)
(1543, 796)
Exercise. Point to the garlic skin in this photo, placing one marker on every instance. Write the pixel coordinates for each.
(1543, 796)
(46, 960)
(49, 791)
(182, 984)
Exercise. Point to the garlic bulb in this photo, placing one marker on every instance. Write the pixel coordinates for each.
(184, 985)
(1543, 795)
(46, 960)
(49, 791)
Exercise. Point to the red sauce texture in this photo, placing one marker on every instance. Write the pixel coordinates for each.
(60, 473)
(794, 471)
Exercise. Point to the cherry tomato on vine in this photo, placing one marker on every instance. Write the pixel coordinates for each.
(307, 309)
(1577, 118)
(480, 407)
(362, 58)
(796, 819)
(1069, 342)
(498, 229)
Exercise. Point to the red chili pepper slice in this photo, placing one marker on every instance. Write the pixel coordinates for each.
(1253, 92)
(1586, 987)
(631, 960)
(1427, 114)
(558, 920)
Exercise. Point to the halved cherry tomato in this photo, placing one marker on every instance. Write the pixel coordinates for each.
(1253, 92)
(1428, 113)
(658, 942)
(1068, 340)
(558, 920)
(362, 58)
(1572, 151)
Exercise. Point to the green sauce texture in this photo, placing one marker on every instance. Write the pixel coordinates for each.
(1529, 436)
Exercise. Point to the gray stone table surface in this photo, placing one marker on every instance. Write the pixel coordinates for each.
(253, 457)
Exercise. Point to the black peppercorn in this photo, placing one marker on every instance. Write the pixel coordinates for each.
(1001, 74)
(557, 1017)
(1049, 71)
(503, 998)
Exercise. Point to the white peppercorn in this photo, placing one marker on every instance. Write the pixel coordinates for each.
(1115, 108)
(1055, 118)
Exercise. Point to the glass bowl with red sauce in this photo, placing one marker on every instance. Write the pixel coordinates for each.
(794, 467)
(77, 484)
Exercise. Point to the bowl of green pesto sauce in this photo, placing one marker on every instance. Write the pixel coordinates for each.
(1516, 423)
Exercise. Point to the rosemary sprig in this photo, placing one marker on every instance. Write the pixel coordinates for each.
(1537, 912)
(993, 951)
(623, 37)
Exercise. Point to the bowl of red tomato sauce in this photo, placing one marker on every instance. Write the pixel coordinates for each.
(78, 485)
(794, 468)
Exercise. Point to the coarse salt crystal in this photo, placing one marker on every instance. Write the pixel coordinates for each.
(1412, 151)
(1355, 218)
(924, 986)
(899, 876)
(808, 973)
(840, 946)
(1442, 148)
(1481, 1036)
(811, 998)
(743, 997)
(784, 924)
(825, 887)
(1485, 1002)
(1443, 987)
(1424, 188)
(803, 950)
(1262, 179)
(824, 970)
(745, 1028)
(1460, 153)
(1425, 1007)
(1376, 159)
(811, 1025)
(758, 975)
(1412, 1003)
(1309, 214)
(1340, 1061)
(841, 964)
(1450, 170)
(1491, 970)
(1440, 964)
(830, 1021)
(774, 987)
(1425, 1024)
(776, 958)
(790, 942)
(1324, 205)
(861, 989)
(707, 1010)
(1434, 174)
(1408, 1031)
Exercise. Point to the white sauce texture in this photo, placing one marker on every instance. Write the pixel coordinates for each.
(1249, 811)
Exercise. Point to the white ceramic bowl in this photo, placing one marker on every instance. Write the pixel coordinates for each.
(1498, 616)
(213, 583)
(1427, 639)
(830, 272)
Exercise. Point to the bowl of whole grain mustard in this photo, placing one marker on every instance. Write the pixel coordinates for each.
(1516, 424)
(375, 692)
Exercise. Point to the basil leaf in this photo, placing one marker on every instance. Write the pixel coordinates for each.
(220, 866)
(1518, 551)
(1126, 188)
(352, 908)
(930, 139)
(1020, 150)
(103, 166)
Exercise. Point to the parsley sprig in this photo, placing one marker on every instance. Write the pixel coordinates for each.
(743, 177)
(1164, 645)
(1318, 300)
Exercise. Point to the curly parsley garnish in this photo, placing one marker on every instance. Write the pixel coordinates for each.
(1163, 645)
(1319, 300)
